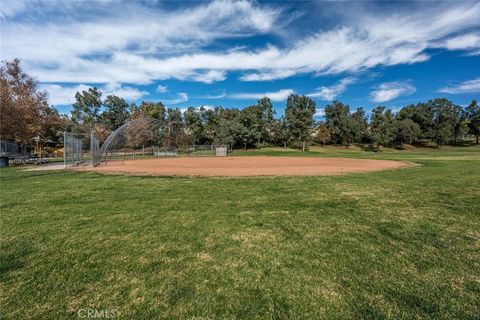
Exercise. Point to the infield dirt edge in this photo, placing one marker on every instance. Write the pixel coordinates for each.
(247, 166)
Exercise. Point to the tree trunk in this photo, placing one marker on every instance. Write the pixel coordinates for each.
(477, 138)
(324, 144)
(303, 146)
(285, 144)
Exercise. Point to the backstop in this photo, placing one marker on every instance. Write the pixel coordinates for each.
(80, 149)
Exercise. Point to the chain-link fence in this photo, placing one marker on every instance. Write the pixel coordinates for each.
(80, 149)
(152, 138)
(13, 150)
(203, 150)
(73, 149)
(17, 153)
(94, 150)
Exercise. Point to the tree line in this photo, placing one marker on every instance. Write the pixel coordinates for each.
(438, 120)
(25, 113)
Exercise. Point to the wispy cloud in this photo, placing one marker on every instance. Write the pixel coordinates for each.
(280, 95)
(64, 94)
(209, 76)
(161, 89)
(79, 49)
(332, 92)
(11, 8)
(469, 86)
(214, 97)
(391, 90)
(268, 75)
(181, 97)
(139, 42)
(470, 41)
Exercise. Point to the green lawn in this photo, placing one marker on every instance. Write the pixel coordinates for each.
(401, 244)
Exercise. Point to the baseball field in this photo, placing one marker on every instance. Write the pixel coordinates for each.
(392, 244)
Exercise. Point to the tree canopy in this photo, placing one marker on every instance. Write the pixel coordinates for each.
(24, 109)
(25, 114)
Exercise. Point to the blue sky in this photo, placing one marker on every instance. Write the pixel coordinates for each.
(364, 53)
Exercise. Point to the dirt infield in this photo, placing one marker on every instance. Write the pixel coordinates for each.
(246, 166)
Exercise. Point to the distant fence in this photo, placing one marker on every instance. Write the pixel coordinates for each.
(146, 152)
(80, 149)
(206, 147)
(18, 153)
(14, 150)
(165, 152)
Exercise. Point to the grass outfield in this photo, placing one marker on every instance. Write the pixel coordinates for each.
(400, 244)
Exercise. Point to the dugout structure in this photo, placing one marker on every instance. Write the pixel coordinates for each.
(80, 149)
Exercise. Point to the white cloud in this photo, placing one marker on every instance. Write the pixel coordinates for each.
(320, 112)
(209, 76)
(181, 97)
(126, 43)
(390, 90)
(474, 53)
(332, 92)
(467, 41)
(268, 75)
(63, 95)
(280, 95)
(125, 92)
(161, 89)
(10, 8)
(469, 86)
(79, 49)
(60, 95)
(214, 97)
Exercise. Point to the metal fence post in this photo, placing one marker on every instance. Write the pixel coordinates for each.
(65, 149)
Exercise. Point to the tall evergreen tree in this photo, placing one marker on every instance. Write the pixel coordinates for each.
(278, 132)
(444, 119)
(473, 119)
(194, 125)
(338, 121)
(382, 127)
(251, 119)
(359, 125)
(460, 125)
(267, 112)
(422, 115)
(86, 109)
(407, 131)
(299, 116)
(116, 112)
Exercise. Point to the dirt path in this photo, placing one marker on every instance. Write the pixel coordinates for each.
(247, 166)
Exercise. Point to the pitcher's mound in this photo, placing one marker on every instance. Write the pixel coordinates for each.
(247, 166)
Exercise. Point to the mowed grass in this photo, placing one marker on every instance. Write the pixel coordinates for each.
(400, 244)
